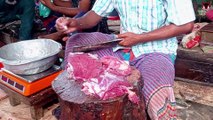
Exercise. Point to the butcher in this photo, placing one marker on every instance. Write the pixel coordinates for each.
(148, 30)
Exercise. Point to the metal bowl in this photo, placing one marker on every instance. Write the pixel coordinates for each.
(30, 57)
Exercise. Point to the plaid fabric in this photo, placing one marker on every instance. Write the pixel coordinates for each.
(139, 16)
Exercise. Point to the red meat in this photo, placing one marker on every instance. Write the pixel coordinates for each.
(115, 66)
(105, 78)
(83, 66)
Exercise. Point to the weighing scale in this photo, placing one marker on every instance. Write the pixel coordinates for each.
(29, 84)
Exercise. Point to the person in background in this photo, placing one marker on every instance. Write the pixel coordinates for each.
(209, 14)
(149, 30)
(71, 8)
(24, 10)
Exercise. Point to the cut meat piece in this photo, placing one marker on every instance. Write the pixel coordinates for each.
(107, 86)
(83, 66)
(115, 66)
(105, 78)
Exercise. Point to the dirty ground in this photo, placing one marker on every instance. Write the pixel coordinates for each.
(191, 105)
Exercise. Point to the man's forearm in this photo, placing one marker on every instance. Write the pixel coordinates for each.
(89, 20)
(67, 11)
(62, 3)
(166, 32)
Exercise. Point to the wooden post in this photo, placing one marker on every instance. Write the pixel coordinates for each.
(13, 100)
(36, 112)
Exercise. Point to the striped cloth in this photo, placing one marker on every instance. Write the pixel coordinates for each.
(157, 71)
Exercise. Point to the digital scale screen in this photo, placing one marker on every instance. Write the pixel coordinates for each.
(12, 83)
(29, 84)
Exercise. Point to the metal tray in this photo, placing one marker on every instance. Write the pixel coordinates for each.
(29, 57)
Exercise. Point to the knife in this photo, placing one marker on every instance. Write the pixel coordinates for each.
(93, 47)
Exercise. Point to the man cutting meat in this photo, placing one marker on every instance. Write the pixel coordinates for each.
(148, 41)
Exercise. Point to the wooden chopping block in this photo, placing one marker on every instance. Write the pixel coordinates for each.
(75, 105)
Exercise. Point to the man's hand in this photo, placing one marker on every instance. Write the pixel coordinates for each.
(129, 39)
(48, 3)
(66, 25)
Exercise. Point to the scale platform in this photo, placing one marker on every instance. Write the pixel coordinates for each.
(29, 84)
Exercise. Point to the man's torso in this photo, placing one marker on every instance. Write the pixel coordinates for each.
(141, 16)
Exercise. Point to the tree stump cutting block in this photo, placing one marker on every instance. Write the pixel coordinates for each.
(75, 105)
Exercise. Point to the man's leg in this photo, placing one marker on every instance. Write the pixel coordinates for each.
(157, 71)
(26, 10)
(7, 18)
(7, 14)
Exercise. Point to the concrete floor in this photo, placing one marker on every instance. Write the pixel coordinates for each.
(194, 101)
(193, 111)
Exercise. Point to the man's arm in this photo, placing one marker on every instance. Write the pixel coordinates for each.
(165, 32)
(67, 25)
(83, 6)
(89, 20)
(63, 3)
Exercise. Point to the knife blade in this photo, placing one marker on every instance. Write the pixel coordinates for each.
(98, 46)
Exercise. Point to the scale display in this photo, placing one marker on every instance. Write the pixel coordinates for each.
(29, 84)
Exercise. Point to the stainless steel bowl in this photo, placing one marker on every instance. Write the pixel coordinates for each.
(30, 57)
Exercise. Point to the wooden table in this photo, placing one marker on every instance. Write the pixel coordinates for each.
(36, 101)
(194, 65)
